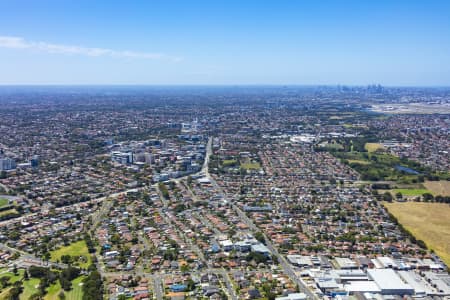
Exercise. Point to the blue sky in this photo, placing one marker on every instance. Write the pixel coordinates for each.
(403, 43)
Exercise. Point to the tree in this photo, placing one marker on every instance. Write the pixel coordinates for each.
(387, 197)
(93, 287)
(14, 294)
(61, 296)
(185, 268)
(46, 256)
(35, 296)
(399, 195)
(260, 237)
(15, 271)
(428, 197)
(4, 281)
(66, 259)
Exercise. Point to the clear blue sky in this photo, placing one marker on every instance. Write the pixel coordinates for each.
(225, 42)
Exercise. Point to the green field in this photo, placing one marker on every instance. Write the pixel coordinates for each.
(426, 221)
(76, 249)
(251, 166)
(76, 293)
(358, 161)
(3, 202)
(13, 278)
(29, 288)
(375, 166)
(410, 192)
(229, 162)
(53, 291)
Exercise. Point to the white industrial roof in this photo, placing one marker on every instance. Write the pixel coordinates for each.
(387, 279)
(362, 286)
(413, 279)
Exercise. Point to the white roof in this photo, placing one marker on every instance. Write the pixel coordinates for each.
(293, 296)
(226, 243)
(362, 286)
(386, 261)
(387, 279)
(204, 180)
(413, 279)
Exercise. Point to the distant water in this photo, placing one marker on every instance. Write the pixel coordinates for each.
(407, 170)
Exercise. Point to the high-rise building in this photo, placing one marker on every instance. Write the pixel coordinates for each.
(7, 164)
(34, 162)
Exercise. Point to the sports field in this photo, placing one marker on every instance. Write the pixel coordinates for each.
(411, 192)
(429, 222)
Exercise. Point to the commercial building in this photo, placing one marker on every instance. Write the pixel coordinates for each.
(389, 282)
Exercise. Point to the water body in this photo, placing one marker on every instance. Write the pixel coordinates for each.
(407, 170)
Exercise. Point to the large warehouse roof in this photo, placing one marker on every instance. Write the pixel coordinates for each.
(389, 282)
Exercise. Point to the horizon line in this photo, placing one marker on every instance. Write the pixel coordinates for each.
(211, 85)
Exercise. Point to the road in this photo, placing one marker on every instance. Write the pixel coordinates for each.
(29, 259)
(287, 268)
(101, 199)
(157, 277)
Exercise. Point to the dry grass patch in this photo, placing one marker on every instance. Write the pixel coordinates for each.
(372, 147)
(429, 222)
(441, 187)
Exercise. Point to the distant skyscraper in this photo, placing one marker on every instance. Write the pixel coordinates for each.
(34, 162)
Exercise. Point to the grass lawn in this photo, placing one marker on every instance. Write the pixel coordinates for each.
(410, 192)
(29, 288)
(251, 166)
(229, 162)
(441, 187)
(76, 293)
(3, 202)
(13, 278)
(372, 147)
(429, 222)
(4, 293)
(358, 161)
(11, 211)
(75, 249)
(53, 291)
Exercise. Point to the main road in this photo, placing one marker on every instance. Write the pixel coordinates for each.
(287, 268)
